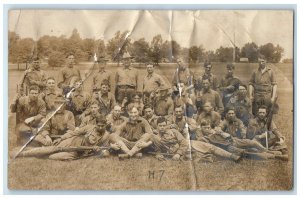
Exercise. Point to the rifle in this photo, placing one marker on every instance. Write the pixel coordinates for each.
(269, 122)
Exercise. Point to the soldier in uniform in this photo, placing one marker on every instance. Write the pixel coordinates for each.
(50, 93)
(105, 98)
(126, 80)
(115, 119)
(93, 112)
(30, 110)
(152, 82)
(171, 141)
(208, 75)
(264, 130)
(232, 125)
(242, 105)
(185, 125)
(78, 102)
(103, 74)
(137, 102)
(233, 144)
(262, 87)
(132, 136)
(229, 84)
(68, 74)
(35, 76)
(150, 116)
(162, 102)
(87, 136)
(210, 115)
(60, 123)
(209, 95)
(182, 75)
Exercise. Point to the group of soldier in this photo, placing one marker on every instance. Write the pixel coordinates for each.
(196, 116)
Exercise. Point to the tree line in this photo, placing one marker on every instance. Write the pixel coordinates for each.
(54, 49)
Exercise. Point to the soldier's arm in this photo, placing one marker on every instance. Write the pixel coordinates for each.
(71, 121)
(42, 112)
(183, 143)
(79, 131)
(251, 86)
(276, 131)
(242, 129)
(219, 103)
(170, 107)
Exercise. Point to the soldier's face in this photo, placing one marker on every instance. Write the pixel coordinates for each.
(242, 91)
(178, 113)
(150, 69)
(148, 113)
(262, 63)
(206, 129)
(36, 65)
(262, 113)
(126, 62)
(230, 115)
(206, 84)
(94, 109)
(230, 72)
(71, 60)
(101, 127)
(104, 89)
(117, 111)
(33, 95)
(50, 83)
(133, 114)
(161, 127)
(136, 99)
(208, 69)
(101, 66)
(207, 107)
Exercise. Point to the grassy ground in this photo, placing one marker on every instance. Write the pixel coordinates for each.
(111, 174)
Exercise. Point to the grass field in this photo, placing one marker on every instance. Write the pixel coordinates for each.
(150, 174)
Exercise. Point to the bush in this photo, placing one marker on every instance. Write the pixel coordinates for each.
(56, 59)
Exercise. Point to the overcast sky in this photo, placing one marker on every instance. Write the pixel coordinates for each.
(210, 28)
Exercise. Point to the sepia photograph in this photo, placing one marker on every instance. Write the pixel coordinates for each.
(151, 100)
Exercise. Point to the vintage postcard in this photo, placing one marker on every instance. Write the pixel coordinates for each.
(189, 100)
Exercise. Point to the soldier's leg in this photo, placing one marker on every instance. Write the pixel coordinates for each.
(116, 139)
(246, 143)
(39, 151)
(146, 138)
(24, 132)
(64, 156)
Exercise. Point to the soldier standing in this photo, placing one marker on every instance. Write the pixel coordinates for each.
(68, 74)
(126, 80)
(103, 73)
(262, 87)
(208, 75)
(152, 82)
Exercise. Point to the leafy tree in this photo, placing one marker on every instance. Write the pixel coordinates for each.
(272, 53)
(250, 50)
(117, 45)
(196, 54)
(225, 54)
(140, 50)
(156, 49)
(56, 59)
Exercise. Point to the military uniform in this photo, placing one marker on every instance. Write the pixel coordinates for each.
(152, 121)
(85, 136)
(102, 75)
(130, 133)
(151, 83)
(258, 127)
(114, 122)
(49, 96)
(126, 83)
(25, 108)
(213, 80)
(67, 75)
(35, 77)
(181, 124)
(182, 76)
(242, 108)
(79, 101)
(262, 82)
(210, 96)
(58, 125)
(235, 128)
(213, 117)
(228, 86)
(163, 106)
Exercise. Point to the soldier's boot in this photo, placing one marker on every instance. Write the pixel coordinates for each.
(235, 158)
(282, 157)
(133, 151)
(138, 155)
(105, 154)
(39, 151)
(123, 156)
(123, 147)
